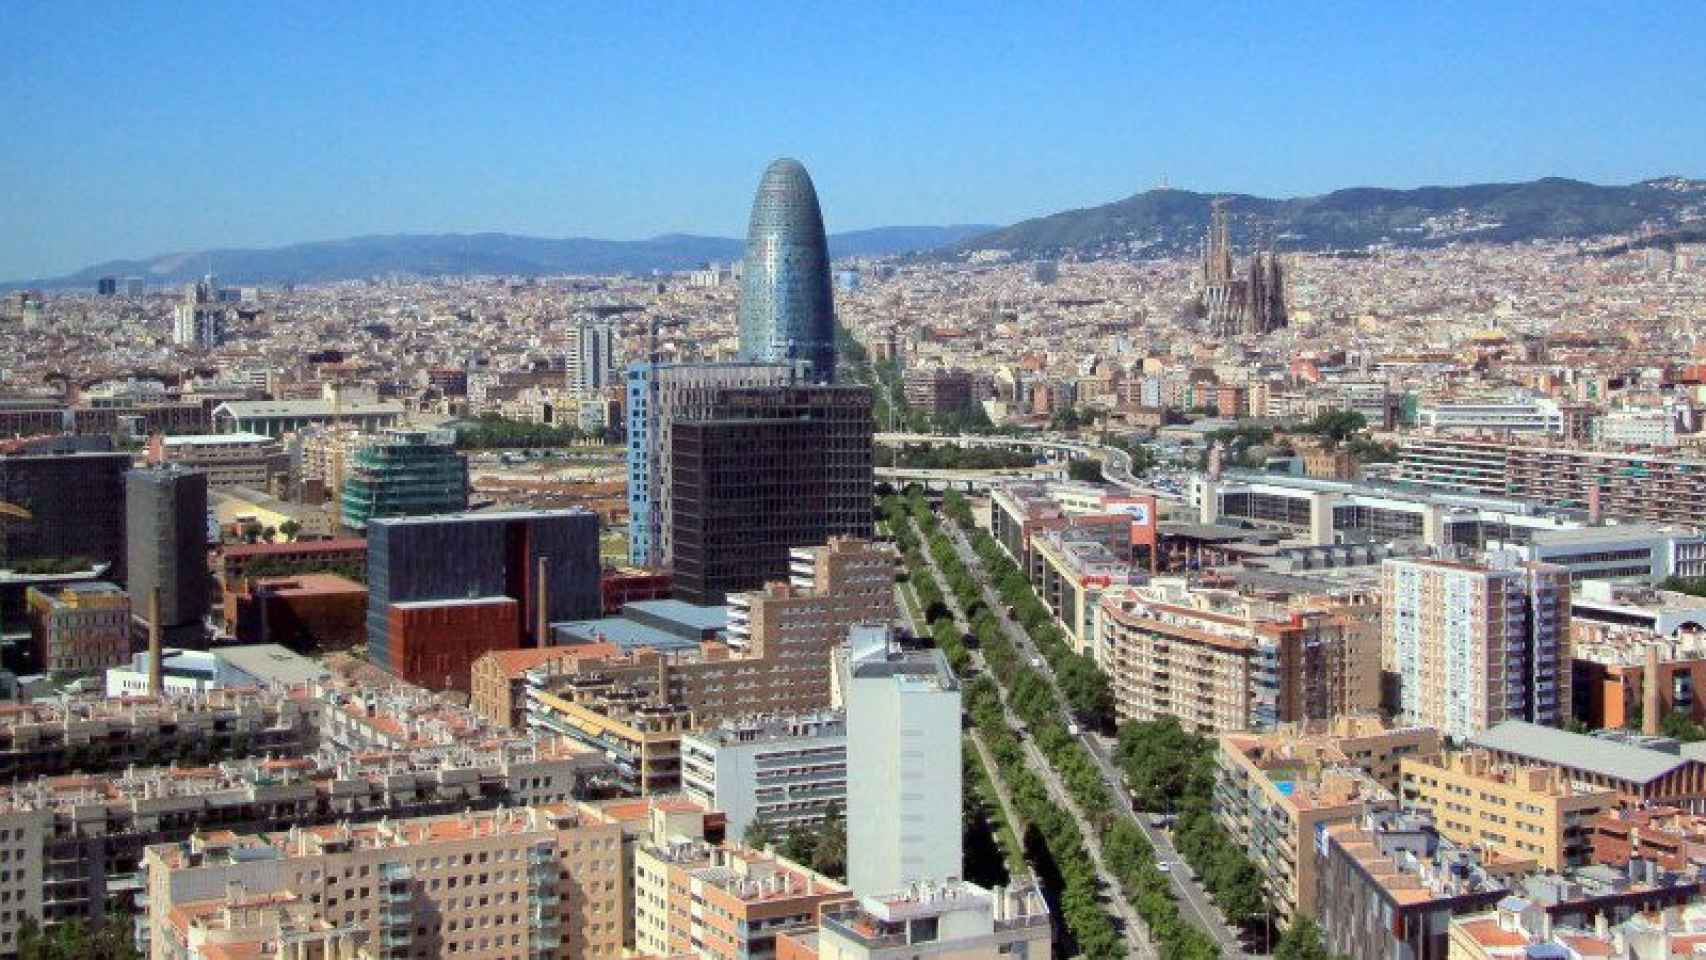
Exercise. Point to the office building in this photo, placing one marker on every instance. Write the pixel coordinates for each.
(787, 311)
(903, 763)
(950, 918)
(443, 565)
(407, 473)
(1233, 305)
(79, 628)
(1631, 552)
(198, 322)
(106, 286)
(781, 771)
(166, 538)
(535, 882)
(76, 508)
(275, 418)
(1221, 662)
(1493, 416)
(769, 469)
(592, 355)
(1475, 645)
(1389, 886)
(1273, 790)
(229, 459)
(659, 395)
(1520, 812)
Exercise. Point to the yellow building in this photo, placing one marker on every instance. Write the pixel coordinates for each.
(1273, 789)
(1521, 812)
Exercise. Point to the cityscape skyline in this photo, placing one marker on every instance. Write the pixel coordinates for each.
(341, 150)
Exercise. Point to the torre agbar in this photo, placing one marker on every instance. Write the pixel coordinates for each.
(786, 310)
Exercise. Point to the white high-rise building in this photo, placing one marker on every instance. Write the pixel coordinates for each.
(903, 763)
(592, 356)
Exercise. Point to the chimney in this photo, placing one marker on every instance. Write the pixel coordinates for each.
(1650, 692)
(156, 683)
(542, 636)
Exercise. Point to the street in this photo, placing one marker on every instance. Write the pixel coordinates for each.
(1188, 891)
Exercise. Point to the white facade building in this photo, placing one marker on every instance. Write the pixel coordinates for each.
(903, 763)
(785, 771)
(1539, 415)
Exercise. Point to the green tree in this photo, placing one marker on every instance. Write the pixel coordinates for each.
(829, 857)
(290, 528)
(1085, 471)
(1302, 941)
(760, 833)
(251, 531)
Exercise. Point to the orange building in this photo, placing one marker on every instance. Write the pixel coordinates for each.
(434, 643)
(308, 612)
(497, 678)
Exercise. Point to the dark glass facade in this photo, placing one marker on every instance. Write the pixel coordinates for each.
(787, 311)
(773, 468)
(76, 502)
(474, 555)
(166, 534)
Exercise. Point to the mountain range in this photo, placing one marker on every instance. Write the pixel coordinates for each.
(493, 254)
(1156, 223)
(1166, 222)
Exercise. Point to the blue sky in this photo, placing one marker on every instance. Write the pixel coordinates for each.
(128, 130)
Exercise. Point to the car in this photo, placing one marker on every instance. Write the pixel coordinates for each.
(1073, 729)
(1159, 821)
(1164, 867)
(1037, 662)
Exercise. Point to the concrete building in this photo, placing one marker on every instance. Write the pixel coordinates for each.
(189, 672)
(1222, 662)
(1627, 552)
(79, 628)
(944, 919)
(166, 537)
(640, 733)
(903, 767)
(1532, 813)
(274, 418)
(782, 771)
(537, 882)
(1071, 575)
(1389, 886)
(938, 391)
(1476, 645)
(1273, 790)
(1673, 839)
(229, 459)
(1493, 416)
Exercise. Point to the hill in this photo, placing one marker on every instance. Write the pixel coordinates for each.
(455, 254)
(1172, 222)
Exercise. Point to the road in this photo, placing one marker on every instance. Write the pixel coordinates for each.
(1185, 886)
(1114, 898)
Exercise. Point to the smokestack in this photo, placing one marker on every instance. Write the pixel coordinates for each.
(1650, 692)
(156, 683)
(541, 636)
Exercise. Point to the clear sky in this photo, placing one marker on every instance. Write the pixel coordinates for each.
(134, 129)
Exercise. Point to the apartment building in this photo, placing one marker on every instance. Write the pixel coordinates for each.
(952, 918)
(1664, 835)
(229, 459)
(772, 660)
(1624, 484)
(1273, 789)
(721, 901)
(1496, 416)
(96, 734)
(1222, 662)
(1389, 886)
(782, 771)
(1475, 645)
(530, 882)
(1070, 572)
(498, 679)
(903, 763)
(1521, 813)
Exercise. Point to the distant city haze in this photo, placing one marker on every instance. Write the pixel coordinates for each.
(136, 131)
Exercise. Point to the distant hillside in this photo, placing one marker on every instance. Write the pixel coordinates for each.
(453, 254)
(1171, 222)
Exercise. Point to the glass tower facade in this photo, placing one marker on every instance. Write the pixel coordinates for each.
(409, 473)
(787, 311)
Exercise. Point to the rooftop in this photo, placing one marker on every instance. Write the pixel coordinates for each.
(218, 439)
(1576, 751)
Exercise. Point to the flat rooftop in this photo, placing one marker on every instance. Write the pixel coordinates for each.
(1576, 751)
